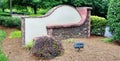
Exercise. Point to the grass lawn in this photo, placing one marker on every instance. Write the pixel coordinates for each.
(2, 55)
(33, 15)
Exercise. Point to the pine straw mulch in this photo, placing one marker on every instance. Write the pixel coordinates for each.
(94, 50)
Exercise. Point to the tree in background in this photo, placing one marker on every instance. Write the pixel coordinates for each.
(10, 7)
(99, 6)
(36, 3)
(3, 4)
(113, 17)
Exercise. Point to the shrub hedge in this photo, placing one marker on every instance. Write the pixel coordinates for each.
(113, 17)
(98, 25)
(10, 21)
(4, 14)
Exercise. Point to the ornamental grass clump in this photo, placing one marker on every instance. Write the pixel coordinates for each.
(46, 47)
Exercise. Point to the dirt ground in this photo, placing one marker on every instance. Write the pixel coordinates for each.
(94, 50)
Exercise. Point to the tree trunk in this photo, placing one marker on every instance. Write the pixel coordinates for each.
(10, 7)
(3, 10)
(35, 9)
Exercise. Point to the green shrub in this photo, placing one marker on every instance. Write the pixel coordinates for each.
(2, 19)
(4, 14)
(98, 25)
(107, 40)
(46, 47)
(15, 34)
(10, 21)
(99, 6)
(29, 45)
(2, 55)
(114, 18)
(43, 11)
(2, 35)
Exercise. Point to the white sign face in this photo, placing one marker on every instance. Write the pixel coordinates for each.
(36, 27)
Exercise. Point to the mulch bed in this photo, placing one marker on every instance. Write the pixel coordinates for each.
(94, 50)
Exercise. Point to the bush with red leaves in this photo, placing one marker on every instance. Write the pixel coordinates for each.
(46, 47)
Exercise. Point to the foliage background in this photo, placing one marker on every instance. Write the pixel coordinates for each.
(99, 6)
(114, 18)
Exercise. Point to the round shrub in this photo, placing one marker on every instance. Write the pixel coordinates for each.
(98, 25)
(46, 47)
(113, 17)
(2, 19)
(10, 21)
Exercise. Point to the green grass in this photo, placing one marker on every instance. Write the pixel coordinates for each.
(29, 11)
(15, 34)
(40, 12)
(33, 15)
(2, 35)
(107, 40)
(29, 45)
(71, 40)
(2, 55)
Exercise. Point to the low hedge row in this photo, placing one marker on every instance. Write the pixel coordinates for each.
(10, 21)
(98, 25)
(4, 14)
